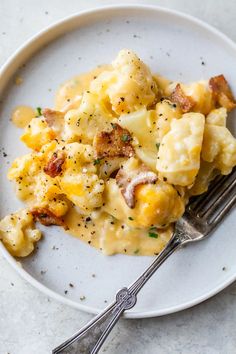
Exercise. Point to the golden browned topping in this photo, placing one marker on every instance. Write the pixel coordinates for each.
(53, 117)
(128, 182)
(178, 96)
(47, 218)
(222, 93)
(117, 142)
(54, 165)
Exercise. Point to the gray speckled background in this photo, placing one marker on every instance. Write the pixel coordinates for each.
(31, 323)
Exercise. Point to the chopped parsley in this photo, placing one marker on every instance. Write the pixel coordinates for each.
(130, 218)
(152, 234)
(96, 162)
(39, 111)
(136, 251)
(125, 137)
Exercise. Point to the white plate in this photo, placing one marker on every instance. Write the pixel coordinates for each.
(174, 45)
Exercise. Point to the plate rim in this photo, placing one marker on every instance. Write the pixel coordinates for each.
(6, 71)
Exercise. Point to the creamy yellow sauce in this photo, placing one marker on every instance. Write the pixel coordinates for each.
(22, 115)
(111, 236)
(69, 94)
(102, 231)
(164, 84)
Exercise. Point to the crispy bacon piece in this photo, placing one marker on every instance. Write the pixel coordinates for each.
(54, 118)
(114, 143)
(221, 92)
(128, 182)
(47, 218)
(178, 96)
(54, 165)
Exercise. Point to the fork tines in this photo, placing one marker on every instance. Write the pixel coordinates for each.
(213, 205)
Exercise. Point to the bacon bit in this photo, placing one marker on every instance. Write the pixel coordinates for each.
(178, 96)
(114, 143)
(222, 93)
(128, 183)
(54, 165)
(53, 118)
(47, 218)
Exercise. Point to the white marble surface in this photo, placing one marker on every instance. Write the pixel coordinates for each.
(31, 323)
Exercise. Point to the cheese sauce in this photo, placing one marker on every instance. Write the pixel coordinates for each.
(101, 230)
(111, 236)
(166, 85)
(22, 115)
(69, 94)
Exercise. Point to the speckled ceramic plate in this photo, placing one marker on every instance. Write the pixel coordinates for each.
(172, 44)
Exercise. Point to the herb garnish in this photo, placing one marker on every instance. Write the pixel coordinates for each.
(153, 232)
(130, 218)
(125, 137)
(96, 162)
(39, 111)
(157, 146)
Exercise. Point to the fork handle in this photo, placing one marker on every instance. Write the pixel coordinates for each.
(91, 337)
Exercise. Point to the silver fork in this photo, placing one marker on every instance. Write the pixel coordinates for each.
(202, 215)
